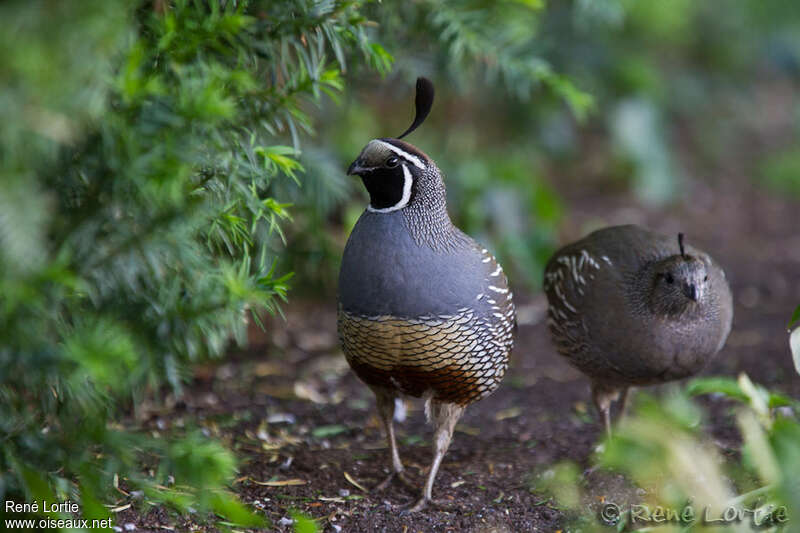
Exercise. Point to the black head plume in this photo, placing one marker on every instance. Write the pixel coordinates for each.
(423, 102)
(680, 244)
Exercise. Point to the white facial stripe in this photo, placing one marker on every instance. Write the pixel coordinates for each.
(407, 181)
(405, 155)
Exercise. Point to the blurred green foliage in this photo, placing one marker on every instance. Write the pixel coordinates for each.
(663, 449)
(781, 171)
(137, 229)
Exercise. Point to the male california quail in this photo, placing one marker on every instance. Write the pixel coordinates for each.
(424, 310)
(632, 307)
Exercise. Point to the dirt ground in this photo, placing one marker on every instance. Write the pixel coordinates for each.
(310, 441)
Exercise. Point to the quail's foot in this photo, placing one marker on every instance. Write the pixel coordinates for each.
(401, 476)
(440, 505)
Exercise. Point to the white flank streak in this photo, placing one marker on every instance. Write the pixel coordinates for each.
(486, 260)
(479, 296)
(407, 181)
(497, 289)
(405, 155)
(607, 260)
(497, 272)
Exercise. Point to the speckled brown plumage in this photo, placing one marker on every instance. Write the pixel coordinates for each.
(630, 307)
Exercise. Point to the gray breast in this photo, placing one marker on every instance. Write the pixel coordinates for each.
(386, 272)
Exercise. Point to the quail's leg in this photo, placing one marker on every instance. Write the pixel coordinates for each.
(603, 396)
(385, 401)
(623, 403)
(444, 417)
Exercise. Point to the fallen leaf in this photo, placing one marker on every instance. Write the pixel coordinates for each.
(469, 430)
(511, 412)
(269, 369)
(282, 483)
(328, 431)
(306, 391)
(355, 483)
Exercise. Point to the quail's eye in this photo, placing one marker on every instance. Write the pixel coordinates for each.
(668, 278)
(392, 162)
(705, 278)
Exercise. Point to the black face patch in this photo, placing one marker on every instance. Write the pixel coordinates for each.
(385, 186)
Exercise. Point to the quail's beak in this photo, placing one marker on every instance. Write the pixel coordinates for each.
(356, 169)
(690, 291)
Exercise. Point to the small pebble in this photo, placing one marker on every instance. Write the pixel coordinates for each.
(117, 529)
(285, 521)
(344, 493)
(130, 527)
(336, 528)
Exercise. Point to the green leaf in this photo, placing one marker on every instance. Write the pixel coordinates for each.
(716, 385)
(795, 317)
(380, 59)
(732, 389)
(328, 431)
(91, 507)
(36, 486)
(784, 439)
(303, 523)
(229, 507)
(756, 446)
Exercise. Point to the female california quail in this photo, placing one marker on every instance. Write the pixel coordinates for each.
(424, 310)
(630, 307)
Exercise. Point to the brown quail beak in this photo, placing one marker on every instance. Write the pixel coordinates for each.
(690, 291)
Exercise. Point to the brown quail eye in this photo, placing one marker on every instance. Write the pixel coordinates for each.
(705, 278)
(668, 278)
(392, 162)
